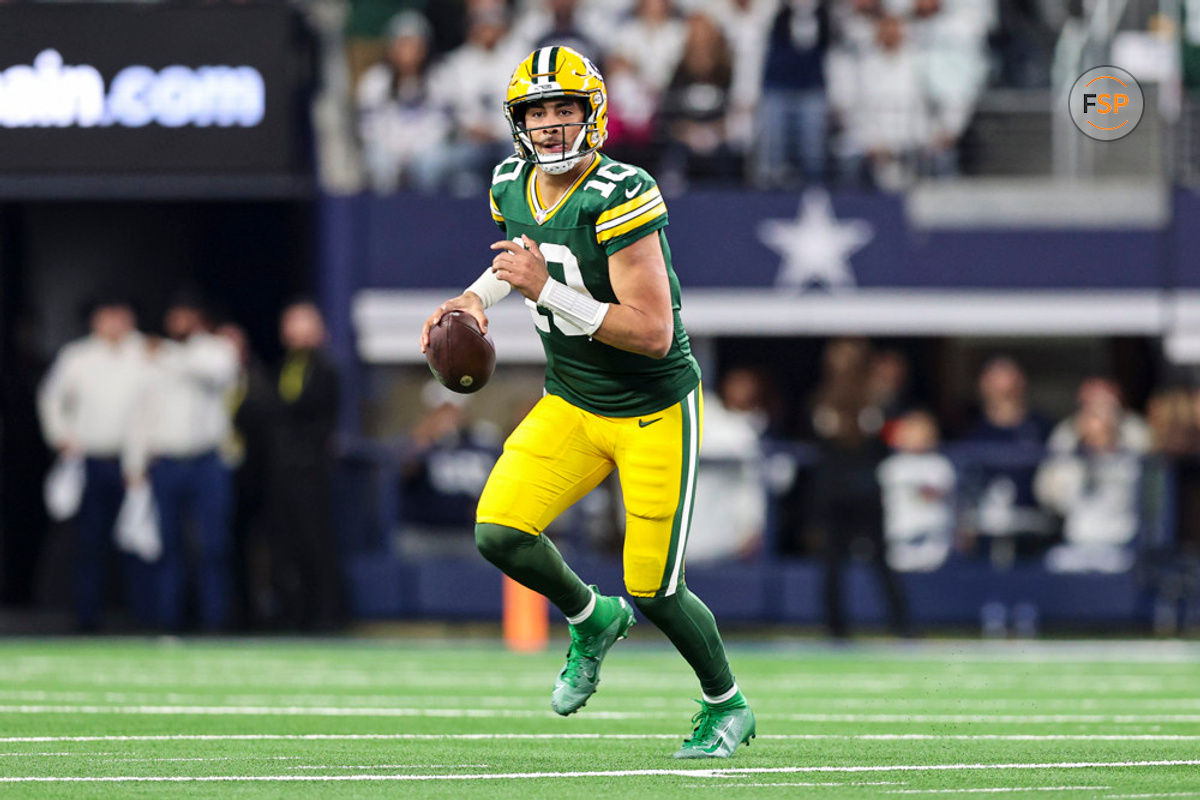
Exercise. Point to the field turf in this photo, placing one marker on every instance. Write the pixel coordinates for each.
(397, 718)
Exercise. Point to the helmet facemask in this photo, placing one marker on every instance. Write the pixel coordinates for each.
(553, 163)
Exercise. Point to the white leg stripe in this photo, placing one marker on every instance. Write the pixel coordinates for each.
(690, 465)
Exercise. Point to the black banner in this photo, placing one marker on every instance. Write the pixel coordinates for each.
(152, 90)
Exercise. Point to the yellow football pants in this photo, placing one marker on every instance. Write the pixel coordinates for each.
(560, 452)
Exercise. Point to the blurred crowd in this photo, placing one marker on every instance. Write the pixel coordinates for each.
(774, 93)
(878, 479)
(861, 470)
(1086, 493)
(196, 480)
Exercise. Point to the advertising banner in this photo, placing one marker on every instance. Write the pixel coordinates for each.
(151, 89)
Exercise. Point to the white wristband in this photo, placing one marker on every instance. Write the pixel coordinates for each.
(489, 288)
(575, 307)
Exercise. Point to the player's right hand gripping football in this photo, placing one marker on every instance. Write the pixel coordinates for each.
(468, 302)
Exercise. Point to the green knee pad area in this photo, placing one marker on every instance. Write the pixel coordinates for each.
(535, 562)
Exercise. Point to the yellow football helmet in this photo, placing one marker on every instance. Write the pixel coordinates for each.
(550, 72)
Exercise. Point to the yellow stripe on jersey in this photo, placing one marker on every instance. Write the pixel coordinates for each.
(623, 209)
(496, 215)
(631, 221)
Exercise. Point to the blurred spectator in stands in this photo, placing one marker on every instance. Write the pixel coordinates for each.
(694, 108)
(1024, 39)
(306, 567)
(473, 79)
(633, 109)
(442, 473)
(1174, 422)
(403, 128)
(746, 24)
(1173, 415)
(846, 504)
(87, 404)
(952, 40)
(918, 486)
(1096, 489)
(246, 451)
(559, 22)
(730, 512)
(792, 116)
(1008, 442)
(367, 25)
(1102, 393)
(652, 40)
(888, 390)
(879, 100)
(182, 422)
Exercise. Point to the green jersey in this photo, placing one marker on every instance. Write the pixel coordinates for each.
(610, 206)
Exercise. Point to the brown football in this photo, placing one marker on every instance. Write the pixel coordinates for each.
(460, 357)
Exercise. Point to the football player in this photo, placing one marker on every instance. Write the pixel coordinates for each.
(585, 245)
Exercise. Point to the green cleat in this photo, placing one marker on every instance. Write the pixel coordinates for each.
(581, 674)
(719, 729)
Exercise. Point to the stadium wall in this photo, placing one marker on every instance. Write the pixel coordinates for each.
(811, 264)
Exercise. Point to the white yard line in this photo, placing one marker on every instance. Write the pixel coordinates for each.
(723, 786)
(408, 697)
(616, 773)
(886, 737)
(483, 713)
(816, 684)
(997, 790)
(88, 754)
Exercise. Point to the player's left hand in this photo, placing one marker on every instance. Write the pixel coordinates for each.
(522, 265)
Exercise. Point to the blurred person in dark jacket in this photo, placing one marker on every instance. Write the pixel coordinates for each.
(1008, 440)
(306, 567)
(847, 508)
(695, 105)
(246, 451)
(794, 109)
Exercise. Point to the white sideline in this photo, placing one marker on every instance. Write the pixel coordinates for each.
(355, 711)
(885, 737)
(998, 790)
(616, 773)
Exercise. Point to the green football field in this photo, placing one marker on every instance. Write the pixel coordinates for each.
(401, 718)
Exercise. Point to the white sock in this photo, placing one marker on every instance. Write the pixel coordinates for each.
(721, 698)
(587, 610)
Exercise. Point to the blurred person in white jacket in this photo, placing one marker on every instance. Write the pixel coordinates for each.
(918, 486)
(86, 404)
(1096, 488)
(402, 127)
(472, 79)
(730, 512)
(182, 420)
(879, 98)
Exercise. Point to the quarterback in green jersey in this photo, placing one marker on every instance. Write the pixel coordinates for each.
(584, 243)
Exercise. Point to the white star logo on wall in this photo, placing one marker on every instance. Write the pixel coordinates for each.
(816, 247)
